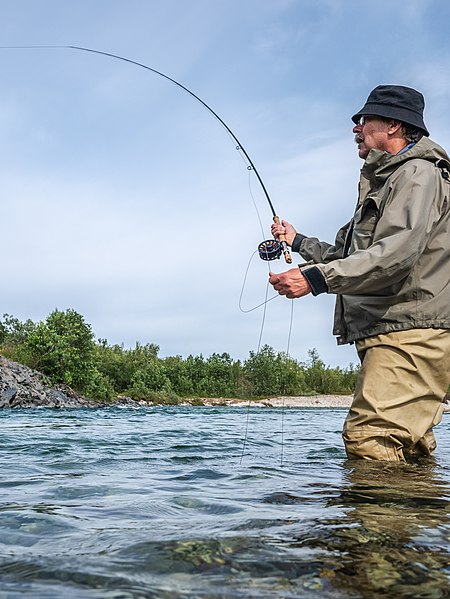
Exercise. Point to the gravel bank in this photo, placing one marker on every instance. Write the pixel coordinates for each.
(301, 401)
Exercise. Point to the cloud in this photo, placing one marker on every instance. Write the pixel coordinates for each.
(124, 199)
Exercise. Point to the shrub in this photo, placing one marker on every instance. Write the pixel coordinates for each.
(323, 379)
(62, 347)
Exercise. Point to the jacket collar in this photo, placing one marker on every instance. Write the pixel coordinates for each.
(379, 165)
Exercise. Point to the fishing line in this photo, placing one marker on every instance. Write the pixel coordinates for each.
(283, 407)
(264, 304)
(267, 249)
(246, 311)
(251, 190)
(244, 282)
(291, 320)
(263, 319)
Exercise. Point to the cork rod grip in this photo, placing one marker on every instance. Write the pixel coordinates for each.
(282, 240)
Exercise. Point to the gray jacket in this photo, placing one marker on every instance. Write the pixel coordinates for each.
(390, 265)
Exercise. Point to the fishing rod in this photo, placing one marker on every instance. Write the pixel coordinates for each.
(270, 249)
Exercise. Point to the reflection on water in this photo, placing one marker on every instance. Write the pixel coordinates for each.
(394, 539)
(155, 503)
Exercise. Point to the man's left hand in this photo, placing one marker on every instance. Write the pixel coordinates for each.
(290, 283)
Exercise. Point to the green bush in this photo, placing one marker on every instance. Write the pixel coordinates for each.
(177, 371)
(63, 348)
(148, 380)
(326, 380)
(13, 334)
(271, 373)
(100, 387)
(111, 361)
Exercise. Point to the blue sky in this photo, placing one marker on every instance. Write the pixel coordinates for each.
(123, 198)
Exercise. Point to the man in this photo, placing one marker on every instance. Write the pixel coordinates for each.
(390, 270)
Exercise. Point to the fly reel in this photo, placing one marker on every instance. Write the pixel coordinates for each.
(270, 249)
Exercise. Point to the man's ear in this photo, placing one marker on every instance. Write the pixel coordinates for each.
(394, 126)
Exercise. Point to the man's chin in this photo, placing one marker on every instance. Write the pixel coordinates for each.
(363, 152)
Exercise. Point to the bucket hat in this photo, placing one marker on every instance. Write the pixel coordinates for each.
(398, 102)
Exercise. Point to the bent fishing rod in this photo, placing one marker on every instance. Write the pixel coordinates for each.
(269, 249)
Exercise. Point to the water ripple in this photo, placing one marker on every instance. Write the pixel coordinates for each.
(159, 502)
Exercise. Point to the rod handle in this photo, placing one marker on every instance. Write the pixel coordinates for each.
(282, 240)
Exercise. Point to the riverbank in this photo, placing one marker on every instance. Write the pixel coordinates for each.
(22, 387)
(301, 401)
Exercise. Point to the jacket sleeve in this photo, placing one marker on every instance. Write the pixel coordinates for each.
(400, 236)
(313, 250)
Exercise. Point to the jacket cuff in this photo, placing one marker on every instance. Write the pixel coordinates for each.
(316, 280)
(297, 242)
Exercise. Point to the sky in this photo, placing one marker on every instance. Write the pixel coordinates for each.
(124, 199)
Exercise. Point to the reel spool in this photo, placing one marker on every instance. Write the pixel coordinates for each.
(270, 249)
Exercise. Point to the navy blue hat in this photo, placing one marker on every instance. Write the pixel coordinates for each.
(397, 102)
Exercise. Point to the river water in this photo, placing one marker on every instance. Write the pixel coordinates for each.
(169, 502)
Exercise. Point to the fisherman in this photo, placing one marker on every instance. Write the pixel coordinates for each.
(389, 268)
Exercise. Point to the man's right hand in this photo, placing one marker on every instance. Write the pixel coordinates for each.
(286, 229)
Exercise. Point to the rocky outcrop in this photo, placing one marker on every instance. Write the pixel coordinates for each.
(22, 387)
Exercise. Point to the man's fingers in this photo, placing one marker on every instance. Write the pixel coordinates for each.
(277, 230)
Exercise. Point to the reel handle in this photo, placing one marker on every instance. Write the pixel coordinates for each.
(282, 240)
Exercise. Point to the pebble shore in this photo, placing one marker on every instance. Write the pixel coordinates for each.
(301, 401)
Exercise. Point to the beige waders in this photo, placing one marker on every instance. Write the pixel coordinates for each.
(399, 392)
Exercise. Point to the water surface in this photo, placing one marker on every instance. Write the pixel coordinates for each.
(164, 503)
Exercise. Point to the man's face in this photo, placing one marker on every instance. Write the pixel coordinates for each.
(370, 132)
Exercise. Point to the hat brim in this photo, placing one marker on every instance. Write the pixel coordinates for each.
(392, 112)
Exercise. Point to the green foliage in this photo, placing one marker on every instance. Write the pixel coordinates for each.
(63, 348)
(262, 371)
(270, 373)
(137, 372)
(110, 362)
(13, 333)
(100, 387)
(220, 375)
(178, 372)
(326, 380)
(197, 401)
(149, 380)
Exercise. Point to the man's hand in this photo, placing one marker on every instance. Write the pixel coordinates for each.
(290, 283)
(286, 229)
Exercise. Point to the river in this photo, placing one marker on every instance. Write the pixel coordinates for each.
(169, 502)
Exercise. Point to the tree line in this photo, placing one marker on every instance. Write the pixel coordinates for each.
(63, 347)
